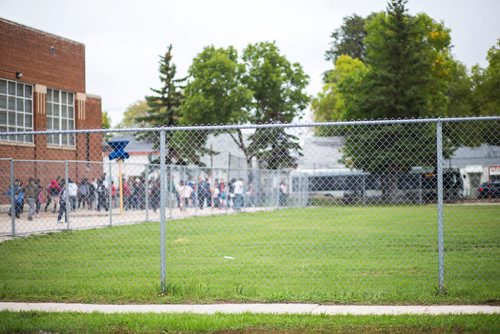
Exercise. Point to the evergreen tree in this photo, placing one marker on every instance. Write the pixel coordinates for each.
(348, 39)
(164, 110)
(397, 85)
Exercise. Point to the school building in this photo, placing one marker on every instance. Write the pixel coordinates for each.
(42, 87)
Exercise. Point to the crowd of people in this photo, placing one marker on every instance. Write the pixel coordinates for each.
(58, 197)
(137, 194)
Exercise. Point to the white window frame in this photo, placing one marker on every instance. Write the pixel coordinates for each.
(16, 110)
(60, 115)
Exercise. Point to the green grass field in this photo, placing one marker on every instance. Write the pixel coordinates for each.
(362, 255)
(37, 322)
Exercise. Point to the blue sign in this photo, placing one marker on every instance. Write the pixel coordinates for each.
(119, 150)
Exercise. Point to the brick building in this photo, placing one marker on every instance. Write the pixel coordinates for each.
(42, 87)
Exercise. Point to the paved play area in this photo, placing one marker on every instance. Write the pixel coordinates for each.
(82, 219)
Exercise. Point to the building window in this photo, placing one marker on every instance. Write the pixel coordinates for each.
(60, 116)
(16, 110)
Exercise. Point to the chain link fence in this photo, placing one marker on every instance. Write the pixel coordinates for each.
(351, 211)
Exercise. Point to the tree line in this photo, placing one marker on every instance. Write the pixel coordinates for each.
(387, 65)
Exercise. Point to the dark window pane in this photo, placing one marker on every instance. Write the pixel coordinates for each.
(28, 91)
(12, 88)
(12, 118)
(20, 105)
(20, 89)
(27, 121)
(20, 119)
(11, 105)
(3, 117)
(3, 102)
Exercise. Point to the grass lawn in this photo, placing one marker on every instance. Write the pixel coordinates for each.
(38, 322)
(363, 255)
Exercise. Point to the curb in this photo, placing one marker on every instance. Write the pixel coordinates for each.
(254, 308)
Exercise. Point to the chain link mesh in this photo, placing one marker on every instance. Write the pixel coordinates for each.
(339, 212)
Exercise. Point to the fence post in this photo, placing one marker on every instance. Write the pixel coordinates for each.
(12, 199)
(170, 191)
(196, 185)
(364, 189)
(162, 211)
(147, 192)
(226, 188)
(110, 195)
(420, 188)
(439, 152)
(68, 204)
(277, 179)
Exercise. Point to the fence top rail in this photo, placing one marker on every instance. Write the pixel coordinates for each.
(144, 164)
(258, 126)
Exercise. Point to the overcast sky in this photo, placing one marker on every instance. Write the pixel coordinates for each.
(124, 38)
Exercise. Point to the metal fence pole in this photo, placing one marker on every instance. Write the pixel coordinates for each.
(12, 199)
(68, 204)
(364, 189)
(147, 192)
(110, 196)
(277, 198)
(162, 211)
(170, 191)
(420, 188)
(439, 152)
(196, 186)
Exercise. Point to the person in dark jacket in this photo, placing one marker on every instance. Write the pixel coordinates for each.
(62, 204)
(18, 194)
(31, 191)
(102, 195)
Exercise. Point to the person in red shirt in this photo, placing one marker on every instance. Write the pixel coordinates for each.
(53, 191)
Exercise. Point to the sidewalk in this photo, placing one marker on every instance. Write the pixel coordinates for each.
(254, 308)
(83, 219)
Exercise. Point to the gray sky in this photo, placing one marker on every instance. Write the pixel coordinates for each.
(124, 38)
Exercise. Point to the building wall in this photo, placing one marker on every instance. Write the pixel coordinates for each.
(43, 58)
(46, 62)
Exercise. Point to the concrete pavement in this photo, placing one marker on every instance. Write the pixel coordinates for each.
(255, 308)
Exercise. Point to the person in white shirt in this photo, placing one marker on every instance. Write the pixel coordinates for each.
(185, 192)
(238, 194)
(72, 193)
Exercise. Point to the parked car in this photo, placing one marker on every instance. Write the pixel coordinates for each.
(489, 190)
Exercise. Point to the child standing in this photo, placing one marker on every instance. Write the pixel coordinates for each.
(62, 204)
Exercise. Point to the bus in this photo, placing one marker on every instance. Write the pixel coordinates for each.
(352, 186)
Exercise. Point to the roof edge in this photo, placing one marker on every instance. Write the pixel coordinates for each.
(41, 31)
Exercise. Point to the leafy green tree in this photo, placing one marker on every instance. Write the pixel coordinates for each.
(486, 96)
(106, 120)
(132, 114)
(264, 87)
(215, 93)
(106, 124)
(330, 104)
(487, 88)
(278, 96)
